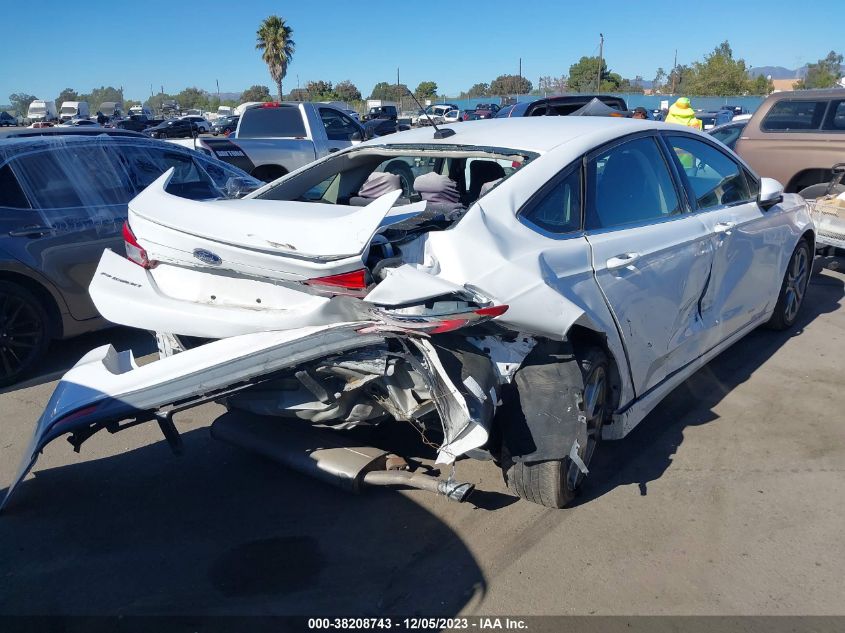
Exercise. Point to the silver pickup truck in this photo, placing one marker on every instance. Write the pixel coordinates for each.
(274, 139)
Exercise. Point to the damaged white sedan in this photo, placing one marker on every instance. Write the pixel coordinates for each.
(517, 289)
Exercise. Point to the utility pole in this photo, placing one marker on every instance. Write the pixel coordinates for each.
(674, 74)
(601, 61)
(217, 81)
(520, 74)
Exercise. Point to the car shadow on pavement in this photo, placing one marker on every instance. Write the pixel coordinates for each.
(218, 531)
(645, 454)
(63, 355)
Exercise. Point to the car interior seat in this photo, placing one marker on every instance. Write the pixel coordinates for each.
(480, 172)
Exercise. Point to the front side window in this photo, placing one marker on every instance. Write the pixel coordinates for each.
(339, 127)
(715, 179)
(559, 209)
(628, 184)
(794, 115)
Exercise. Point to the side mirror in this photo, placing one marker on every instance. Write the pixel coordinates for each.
(357, 136)
(771, 193)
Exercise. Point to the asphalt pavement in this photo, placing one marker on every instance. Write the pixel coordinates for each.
(727, 499)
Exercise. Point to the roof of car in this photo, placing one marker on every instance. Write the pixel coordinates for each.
(26, 132)
(12, 145)
(534, 134)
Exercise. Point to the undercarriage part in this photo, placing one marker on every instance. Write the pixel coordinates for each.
(325, 456)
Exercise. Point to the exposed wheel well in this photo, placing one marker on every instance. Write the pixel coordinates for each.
(810, 236)
(804, 179)
(582, 338)
(268, 173)
(56, 325)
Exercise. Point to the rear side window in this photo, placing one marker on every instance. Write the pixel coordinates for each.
(281, 122)
(559, 210)
(835, 120)
(189, 181)
(11, 194)
(630, 183)
(792, 115)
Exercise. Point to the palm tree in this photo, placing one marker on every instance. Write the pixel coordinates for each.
(274, 39)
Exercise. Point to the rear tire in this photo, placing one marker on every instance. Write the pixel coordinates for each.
(555, 483)
(24, 332)
(793, 288)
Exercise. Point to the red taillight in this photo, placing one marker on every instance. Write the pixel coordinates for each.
(271, 104)
(134, 251)
(346, 283)
(492, 311)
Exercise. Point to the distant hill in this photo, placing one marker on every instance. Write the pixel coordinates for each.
(779, 72)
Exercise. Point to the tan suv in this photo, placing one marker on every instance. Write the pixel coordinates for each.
(795, 138)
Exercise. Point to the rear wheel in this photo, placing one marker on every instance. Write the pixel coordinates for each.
(24, 332)
(793, 288)
(555, 483)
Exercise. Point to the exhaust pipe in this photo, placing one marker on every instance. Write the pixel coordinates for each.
(324, 456)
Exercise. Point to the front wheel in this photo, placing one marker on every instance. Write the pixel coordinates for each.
(793, 288)
(555, 483)
(162, 135)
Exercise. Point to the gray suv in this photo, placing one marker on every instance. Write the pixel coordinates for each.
(63, 200)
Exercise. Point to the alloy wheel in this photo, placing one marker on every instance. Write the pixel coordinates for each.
(797, 277)
(21, 334)
(595, 410)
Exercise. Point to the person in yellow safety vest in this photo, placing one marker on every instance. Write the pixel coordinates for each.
(682, 114)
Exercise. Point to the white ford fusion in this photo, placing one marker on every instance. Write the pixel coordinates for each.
(515, 289)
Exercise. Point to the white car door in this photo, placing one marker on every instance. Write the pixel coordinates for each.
(747, 239)
(651, 256)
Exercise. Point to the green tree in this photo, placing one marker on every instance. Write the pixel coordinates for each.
(678, 79)
(68, 94)
(155, 102)
(761, 85)
(256, 93)
(347, 91)
(320, 91)
(659, 81)
(20, 102)
(388, 92)
(510, 85)
(478, 90)
(584, 73)
(274, 39)
(825, 73)
(426, 90)
(192, 98)
(99, 95)
(719, 74)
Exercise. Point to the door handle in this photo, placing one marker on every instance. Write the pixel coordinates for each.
(332, 150)
(620, 261)
(724, 228)
(31, 231)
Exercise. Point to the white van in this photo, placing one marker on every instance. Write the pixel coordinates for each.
(224, 111)
(40, 110)
(74, 109)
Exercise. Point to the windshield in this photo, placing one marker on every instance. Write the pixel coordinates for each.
(38, 109)
(69, 109)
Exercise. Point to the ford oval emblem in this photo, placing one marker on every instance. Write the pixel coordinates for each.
(207, 257)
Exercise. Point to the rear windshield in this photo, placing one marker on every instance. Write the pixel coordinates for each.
(793, 115)
(281, 122)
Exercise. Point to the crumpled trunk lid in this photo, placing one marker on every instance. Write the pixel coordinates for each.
(270, 238)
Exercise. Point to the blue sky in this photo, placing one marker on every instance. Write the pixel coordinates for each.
(181, 44)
